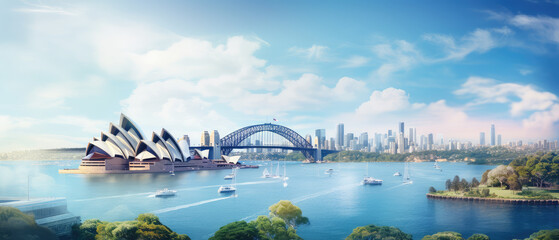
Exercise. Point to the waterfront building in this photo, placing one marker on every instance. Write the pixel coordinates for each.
(340, 136)
(205, 139)
(492, 134)
(51, 213)
(482, 139)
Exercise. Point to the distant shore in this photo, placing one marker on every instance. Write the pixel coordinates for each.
(497, 200)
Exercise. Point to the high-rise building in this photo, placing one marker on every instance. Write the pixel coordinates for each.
(415, 136)
(499, 140)
(400, 128)
(214, 138)
(482, 139)
(316, 143)
(332, 144)
(340, 135)
(492, 134)
(205, 139)
(389, 133)
(309, 139)
(364, 139)
(321, 134)
(430, 141)
(348, 138)
(401, 144)
(410, 137)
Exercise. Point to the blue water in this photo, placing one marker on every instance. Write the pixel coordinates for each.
(335, 204)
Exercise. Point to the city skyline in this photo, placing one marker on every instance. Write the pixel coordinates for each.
(69, 68)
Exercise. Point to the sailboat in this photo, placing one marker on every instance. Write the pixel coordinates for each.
(284, 175)
(230, 188)
(230, 175)
(266, 174)
(370, 180)
(406, 178)
(277, 172)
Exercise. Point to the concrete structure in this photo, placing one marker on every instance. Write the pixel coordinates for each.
(205, 139)
(51, 213)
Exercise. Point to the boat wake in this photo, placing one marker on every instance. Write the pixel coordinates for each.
(170, 209)
(318, 194)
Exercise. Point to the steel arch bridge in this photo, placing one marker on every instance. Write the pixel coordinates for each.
(232, 140)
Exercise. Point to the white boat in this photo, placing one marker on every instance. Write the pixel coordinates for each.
(230, 188)
(165, 193)
(230, 175)
(284, 175)
(266, 174)
(371, 181)
(397, 174)
(407, 178)
(329, 171)
(277, 175)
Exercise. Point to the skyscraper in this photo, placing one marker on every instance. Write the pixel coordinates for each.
(321, 135)
(364, 139)
(205, 139)
(482, 139)
(309, 139)
(340, 135)
(499, 140)
(401, 128)
(492, 134)
(430, 141)
(410, 137)
(348, 138)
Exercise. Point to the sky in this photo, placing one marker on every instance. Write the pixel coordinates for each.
(69, 68)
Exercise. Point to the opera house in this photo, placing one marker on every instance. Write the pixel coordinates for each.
(124, 149)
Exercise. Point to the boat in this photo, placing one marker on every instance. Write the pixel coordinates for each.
(407, 178)
(397, 174)
(232, 187)
(284, 175)
(370, 180)
(277, 175)
(329, 171)
(266, 174)
(165, 193)
(230, 175)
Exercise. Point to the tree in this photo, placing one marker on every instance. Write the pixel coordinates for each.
(85, 231)
(15, 224)
(514, 183)
(485, 178)
(475, 182)
(274, 228)
(464, 185)
(239, 230)
(500, 173)
(290, 213)
(432, 190)
(545, 235)
(479, 236)
(444, 236)
(372, 232)
(455, 185)
(448, 185)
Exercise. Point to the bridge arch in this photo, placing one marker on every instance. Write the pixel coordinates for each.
(232, 140)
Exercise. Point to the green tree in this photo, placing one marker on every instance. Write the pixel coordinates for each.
(274, 228)
(432, 190)
(464, 185)
(85, 231)
(239, 230)
(475, 182)
(372, 232)
(485, 178)
(455, 185)
(514, 183)
(448, 185)
(479, 236)
(545, 235)
(15, 224)
(290, 213)
(444, 236)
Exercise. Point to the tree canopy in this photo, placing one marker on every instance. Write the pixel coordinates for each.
(372, 232)
(290, 213)
(15, 224)
(444, 236)
(238, 230)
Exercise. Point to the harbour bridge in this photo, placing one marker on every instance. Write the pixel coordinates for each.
(267, 136)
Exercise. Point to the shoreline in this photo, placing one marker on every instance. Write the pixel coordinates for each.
(497, 200)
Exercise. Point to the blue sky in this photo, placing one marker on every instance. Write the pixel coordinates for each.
(69, 68)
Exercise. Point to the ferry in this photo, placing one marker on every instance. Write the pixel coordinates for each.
(165, 193)
(371, 181)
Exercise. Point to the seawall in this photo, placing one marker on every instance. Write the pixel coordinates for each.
(498, 200)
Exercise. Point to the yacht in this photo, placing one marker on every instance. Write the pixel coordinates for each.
(371, 181)
(266, 174)
(329, 171)
(229, 188)
(230, 175)
(407, 178)
(165, 193)
(397, 174)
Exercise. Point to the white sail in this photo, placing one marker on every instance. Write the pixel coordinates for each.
(407, 178)
(266, 174)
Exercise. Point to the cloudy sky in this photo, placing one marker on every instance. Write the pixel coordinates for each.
(68, 68)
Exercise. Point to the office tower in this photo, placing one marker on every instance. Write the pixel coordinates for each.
(378, 142)
(401, 144)
(205, 139)
(321, 134)
(415, 136)
(499, 140)
(492, 134)
(410, 137)
(364, 139)
(332, 144)
(348, 138)
(214, 138)
(309, 139)
(340, 135)
(326, 144)
(430, 141)
(401, 128)
(482, 139)
(389, 133)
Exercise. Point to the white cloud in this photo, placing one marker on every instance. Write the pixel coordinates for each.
(9, 123)
(355, 61)
(480, 40)
(543, 120)
(87, 125)
(315, 52)
(487, 90)
(387, 100)
(547, 28)
(401, 55)
(42, 8)
(525, 72)
(56, 94)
